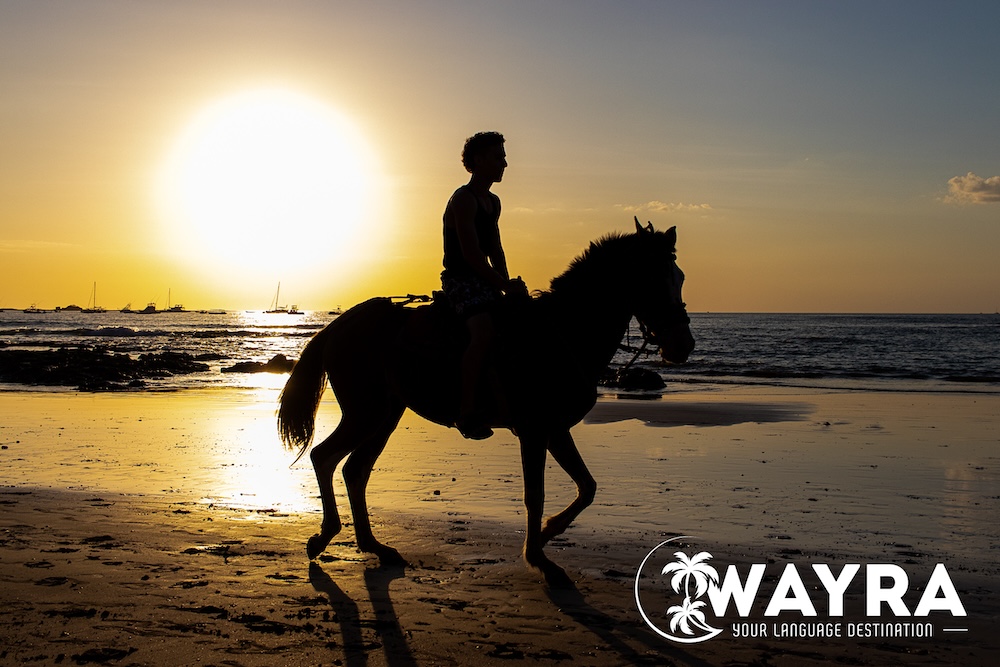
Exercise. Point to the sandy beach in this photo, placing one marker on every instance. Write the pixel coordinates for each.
(168, 529)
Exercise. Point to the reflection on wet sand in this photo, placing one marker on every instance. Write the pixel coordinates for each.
(697, 413)
(105, 503)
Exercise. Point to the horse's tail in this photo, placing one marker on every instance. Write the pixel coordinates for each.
(300, 398)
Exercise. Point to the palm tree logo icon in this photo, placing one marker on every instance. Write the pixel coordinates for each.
(690, 577)
(688, 616)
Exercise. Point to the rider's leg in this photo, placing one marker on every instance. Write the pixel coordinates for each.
(481, 334)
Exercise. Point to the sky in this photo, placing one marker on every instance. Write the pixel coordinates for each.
(814, 156)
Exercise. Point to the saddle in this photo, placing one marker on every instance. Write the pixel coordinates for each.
(426, 353)
(435, 329)
(432, 330)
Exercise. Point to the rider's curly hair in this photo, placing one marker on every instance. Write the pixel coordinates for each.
(478, 143)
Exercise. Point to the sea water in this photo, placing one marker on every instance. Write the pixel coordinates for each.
(954, 353)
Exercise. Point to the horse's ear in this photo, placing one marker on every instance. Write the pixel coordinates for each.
(639, 229)
(672, 236)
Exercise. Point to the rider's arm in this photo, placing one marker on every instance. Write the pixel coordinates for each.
(498, 260)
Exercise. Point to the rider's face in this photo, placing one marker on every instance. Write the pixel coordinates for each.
(492, 162)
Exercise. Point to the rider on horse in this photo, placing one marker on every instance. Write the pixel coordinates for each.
(475, 270)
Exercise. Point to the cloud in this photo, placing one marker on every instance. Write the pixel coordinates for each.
(665, 207)
(972, 189)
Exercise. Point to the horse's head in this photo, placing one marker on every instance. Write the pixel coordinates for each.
(658, 304)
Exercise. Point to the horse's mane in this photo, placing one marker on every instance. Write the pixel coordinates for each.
(595, 260)
(611, 254)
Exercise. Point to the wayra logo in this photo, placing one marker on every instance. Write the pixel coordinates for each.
(685, 596)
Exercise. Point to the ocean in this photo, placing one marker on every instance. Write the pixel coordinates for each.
(951, 353)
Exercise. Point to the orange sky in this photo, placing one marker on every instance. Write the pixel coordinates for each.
(812, 159)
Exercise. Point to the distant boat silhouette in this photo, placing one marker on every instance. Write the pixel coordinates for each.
(34, 310)
(176, 308)
(127, 308)
(150, 309)
(275, 308)
(92, 306)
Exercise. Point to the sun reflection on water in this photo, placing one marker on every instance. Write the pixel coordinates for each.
(249, 467)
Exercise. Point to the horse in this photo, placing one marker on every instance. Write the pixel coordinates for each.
(552, 349)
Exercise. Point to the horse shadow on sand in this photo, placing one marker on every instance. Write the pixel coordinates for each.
(626, 643)
(386, 623)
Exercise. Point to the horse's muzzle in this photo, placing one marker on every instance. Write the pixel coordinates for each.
(676, 345)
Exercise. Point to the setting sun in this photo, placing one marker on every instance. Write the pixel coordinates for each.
(266, 179)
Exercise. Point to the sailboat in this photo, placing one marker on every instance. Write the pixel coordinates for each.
(92, 306)
(275, 308)
(176, 308)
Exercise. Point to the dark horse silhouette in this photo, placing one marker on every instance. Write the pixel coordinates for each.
(382, 358)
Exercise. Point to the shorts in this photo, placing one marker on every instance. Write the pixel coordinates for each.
(469, 295)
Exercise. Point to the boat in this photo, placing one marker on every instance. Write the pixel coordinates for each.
(275, 308)
(92, 306)
(176, 308)
(71, 308)
(150, 309)
(127, 308)
(34, 310)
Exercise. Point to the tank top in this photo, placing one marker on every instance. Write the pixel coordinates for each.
(487, 231)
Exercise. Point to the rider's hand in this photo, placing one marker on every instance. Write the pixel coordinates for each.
(517, 289)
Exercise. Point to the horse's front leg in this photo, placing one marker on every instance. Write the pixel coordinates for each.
(566, 454)
(533, 448)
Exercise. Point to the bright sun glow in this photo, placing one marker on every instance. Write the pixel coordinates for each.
(267, 179)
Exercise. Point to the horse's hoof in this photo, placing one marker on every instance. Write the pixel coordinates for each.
(556, 578)
(389, 557)
(552, 530)
(316, 545)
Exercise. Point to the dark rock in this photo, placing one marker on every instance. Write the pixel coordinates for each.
(92, 369)
(279, 363)
(638, 379)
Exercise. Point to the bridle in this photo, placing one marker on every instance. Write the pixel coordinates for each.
(672, 315)
(675, 314)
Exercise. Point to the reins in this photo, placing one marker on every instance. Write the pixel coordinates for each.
(678, 315)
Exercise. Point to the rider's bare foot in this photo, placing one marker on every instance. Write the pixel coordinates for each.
(472, 428)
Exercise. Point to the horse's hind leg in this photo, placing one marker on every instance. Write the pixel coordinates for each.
(357, 472)
(326, 456)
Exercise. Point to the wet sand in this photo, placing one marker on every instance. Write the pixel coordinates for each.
(168, 529)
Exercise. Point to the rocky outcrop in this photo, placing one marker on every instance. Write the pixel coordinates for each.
(92, 369)
(279, 363)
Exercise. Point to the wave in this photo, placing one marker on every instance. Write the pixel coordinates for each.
(128, 332)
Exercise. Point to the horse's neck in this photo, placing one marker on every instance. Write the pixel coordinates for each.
(592, 326)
